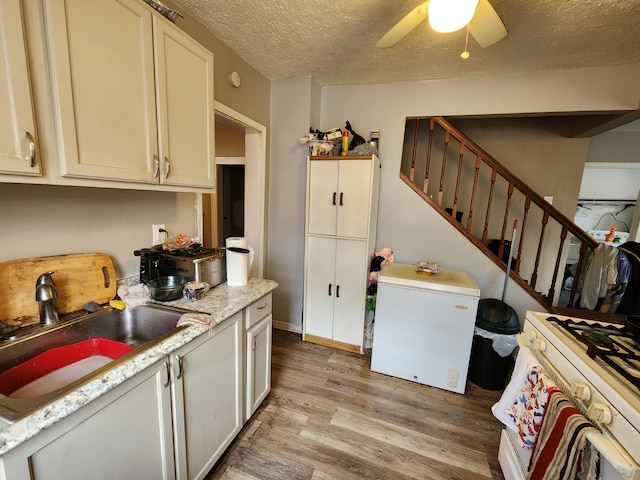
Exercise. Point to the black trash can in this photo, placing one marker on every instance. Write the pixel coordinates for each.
(487, 368)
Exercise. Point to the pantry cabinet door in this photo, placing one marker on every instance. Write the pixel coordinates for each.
(354, 198)
(320, 286)
(184, 88)
(18, 152)
(351, 291)
(103, 88)
(322, 198)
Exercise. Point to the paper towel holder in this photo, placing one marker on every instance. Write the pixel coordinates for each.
(239, 249)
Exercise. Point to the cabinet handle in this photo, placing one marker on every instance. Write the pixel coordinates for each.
(168, 369)
(31, 146)
(334, 198)
(180, 367)
(329, 289)
(168, 169)
(262, 306)
(341, 198)
(254, 344)
(338, 291)
(156, 172)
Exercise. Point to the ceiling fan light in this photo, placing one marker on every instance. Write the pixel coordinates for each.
(447, 16)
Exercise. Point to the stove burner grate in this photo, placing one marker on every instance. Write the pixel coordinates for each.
(193, 251)
(614, 345)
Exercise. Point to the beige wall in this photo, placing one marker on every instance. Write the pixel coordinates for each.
(536, 150)
(42, 220)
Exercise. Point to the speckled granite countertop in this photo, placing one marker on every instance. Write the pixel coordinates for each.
(220, 302)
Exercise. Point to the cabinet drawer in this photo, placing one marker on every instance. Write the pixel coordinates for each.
(258, 310)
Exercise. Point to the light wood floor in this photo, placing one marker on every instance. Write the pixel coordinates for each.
(329, 417)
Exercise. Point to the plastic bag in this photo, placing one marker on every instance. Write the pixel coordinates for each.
(503, 345)
(355, 138)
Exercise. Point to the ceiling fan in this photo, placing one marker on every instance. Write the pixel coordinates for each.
(483, 22)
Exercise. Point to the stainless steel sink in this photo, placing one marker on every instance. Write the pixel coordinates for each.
(140, 328)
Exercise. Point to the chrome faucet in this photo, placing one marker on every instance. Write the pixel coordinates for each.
(46, 295)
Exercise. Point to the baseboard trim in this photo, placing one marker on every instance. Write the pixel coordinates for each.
(289, 327)
(327, 342)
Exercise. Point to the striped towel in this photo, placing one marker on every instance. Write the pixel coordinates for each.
(562, 451)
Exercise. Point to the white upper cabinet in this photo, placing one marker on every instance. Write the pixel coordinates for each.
(132, 94)
(184, 89)
(18, 152)
(339, 197)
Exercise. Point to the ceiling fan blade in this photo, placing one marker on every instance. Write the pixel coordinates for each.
(486, 26)
(404, 26)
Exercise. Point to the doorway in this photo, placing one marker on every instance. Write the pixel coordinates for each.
(238, 207)
(232, 196)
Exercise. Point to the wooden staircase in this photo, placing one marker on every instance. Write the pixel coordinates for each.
(481, 198)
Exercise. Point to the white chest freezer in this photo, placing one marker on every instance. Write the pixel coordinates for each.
(424, 326)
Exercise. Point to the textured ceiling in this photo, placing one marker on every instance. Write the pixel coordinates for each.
(333, 40)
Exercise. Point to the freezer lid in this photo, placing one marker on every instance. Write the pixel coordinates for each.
(449, 281)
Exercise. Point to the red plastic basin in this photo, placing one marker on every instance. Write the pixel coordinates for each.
(56, 358)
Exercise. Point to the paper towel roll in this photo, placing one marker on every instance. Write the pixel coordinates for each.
(236, 242)
(237, 266)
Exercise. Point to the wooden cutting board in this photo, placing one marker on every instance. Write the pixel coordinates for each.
(79, 278)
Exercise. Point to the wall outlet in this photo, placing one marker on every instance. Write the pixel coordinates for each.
(452, 379)
(158, 235)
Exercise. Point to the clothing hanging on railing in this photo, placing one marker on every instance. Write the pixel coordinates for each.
(595, 279)
(630, 302)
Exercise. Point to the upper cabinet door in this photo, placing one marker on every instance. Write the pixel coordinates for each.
(184, 90)
(354, 199)
(103, 88)
(18, 153)
(323, 197)
(339, 200)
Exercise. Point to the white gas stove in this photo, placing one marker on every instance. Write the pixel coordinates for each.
(598, 366)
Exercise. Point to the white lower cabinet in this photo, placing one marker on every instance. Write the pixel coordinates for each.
(172, 420)
(207, 397)
(126, 433)
(257, 354)
(336, 287)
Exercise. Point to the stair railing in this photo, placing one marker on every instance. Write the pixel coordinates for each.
(479, 184)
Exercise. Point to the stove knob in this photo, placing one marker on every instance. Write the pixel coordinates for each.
(581, 391)
(599, 412)
(529, 335)
(538, 345)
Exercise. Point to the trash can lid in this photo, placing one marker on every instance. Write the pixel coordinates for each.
(497, 317)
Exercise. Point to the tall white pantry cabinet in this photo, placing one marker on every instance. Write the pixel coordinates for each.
(340, 231)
